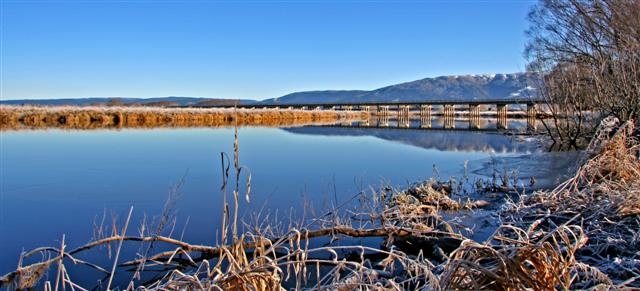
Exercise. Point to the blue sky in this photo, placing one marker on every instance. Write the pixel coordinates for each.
(248, 49)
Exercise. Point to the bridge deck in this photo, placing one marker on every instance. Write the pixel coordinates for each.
(391, 103)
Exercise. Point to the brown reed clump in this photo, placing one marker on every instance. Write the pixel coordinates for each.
(434, 195)
(604, 199)
(70, 117)
(516, 261)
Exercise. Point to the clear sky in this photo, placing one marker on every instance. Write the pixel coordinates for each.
(248, 49)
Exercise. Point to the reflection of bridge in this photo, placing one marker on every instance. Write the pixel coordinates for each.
(447, 108)
(456, 139)
(468, 123)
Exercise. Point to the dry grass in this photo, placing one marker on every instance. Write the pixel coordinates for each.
(604, 198)
(70, 117)
(508, 263)
(437, 195)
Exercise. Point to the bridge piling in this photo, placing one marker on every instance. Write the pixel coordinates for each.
(425, 111)
(403, 116)
(532, 123)
(449, 110)
(501, 110)
(532, 111)
(403, 111)
(382, 121)
(474, 110)
(474, 116)
(474, 122)
(425, 120)
(502, 122)
(449, 121)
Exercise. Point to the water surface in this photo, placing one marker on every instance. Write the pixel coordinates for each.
(58, 182)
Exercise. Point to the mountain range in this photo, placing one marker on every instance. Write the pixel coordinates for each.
(466, 87)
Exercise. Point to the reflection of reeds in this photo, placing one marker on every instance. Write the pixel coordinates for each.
(24, 117)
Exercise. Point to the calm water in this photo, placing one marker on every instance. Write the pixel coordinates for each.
(58, 182)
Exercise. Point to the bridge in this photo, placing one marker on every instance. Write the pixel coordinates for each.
(426, 108)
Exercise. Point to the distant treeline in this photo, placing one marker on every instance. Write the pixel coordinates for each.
(117, 101)
(168, 103)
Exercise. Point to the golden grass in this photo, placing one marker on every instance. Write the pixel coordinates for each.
(70, 117)
(515, 264)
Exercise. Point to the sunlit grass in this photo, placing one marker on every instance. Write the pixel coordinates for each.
(74, 117)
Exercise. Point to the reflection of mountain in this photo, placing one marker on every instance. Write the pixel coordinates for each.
(468, 141)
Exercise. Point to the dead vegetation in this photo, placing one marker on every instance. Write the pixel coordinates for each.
(582, 234)
(70, 117)
(603, 198)
(434, 195)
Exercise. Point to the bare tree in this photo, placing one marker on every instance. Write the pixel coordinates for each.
(588, 52)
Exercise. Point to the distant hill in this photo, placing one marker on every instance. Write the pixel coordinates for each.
(469, 87)
(157, 101)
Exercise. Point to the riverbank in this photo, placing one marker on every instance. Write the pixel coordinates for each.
(589, 224)
(73, 117)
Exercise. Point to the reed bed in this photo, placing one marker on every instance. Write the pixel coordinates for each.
(74, 117)
(582, 234)
(603, 198)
